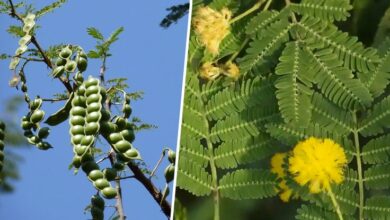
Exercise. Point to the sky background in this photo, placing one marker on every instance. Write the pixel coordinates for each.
(150, 57)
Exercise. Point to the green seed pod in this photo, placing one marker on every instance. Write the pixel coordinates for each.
(122, 159)
(37, 116)
(79, 111)
(126, 110)
(26, 125)
(118, 166)
(95, 175)
(81, 90)
(87, 158)
(110, 174)
(92, 128)
(109, 193)
(76, 161)
(60, 62)
(36, 104)
(82, 63)
(65, 53)
(93, 117)
(97, 213)
(128, 135)
(91, 82)
(101, 183)
(77, 120)
(115, 137)
(79, 78)
(70, 66)
(79, 101)
(28, 133)
(43, 132)
(97, 201)
(106, 115)
(103, 92)
(34, 140)
(87, 140)
(77, 129)
(1, 145)
(92, 90)
(171, 156)
(58, 71)
(88, 166)
(121, 122)
(82, 54)
(131, 153)
(24, 88)
(122, 146)
(76, 139)
(169, 173)
(44, 145)
(93, 98)
(80, 149)
(94, 107)
(107, 127)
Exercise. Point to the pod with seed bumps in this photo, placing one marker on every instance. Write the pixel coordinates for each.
(171, 156)
(97, 207)
(58, 71)
(2, 135)
(82, 61)
(70, 66)
(169, 173)
(65, 53)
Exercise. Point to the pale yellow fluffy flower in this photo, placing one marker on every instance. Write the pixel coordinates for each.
(209, 71)
(231, 70)
(318, 163)
(211, 26)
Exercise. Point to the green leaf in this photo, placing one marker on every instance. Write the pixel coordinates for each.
(377, 207)
(193, 177)
(377, 177)
(16, 31)
(95, 33)
(192, 148)
(50, 8)
(377, 119)
(248, 184)
(330, 10)
(377, 150)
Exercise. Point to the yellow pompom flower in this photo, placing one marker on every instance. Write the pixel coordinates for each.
(231, 70)
(209, 71)
(211, 26)
(318, 163)
(277, 162)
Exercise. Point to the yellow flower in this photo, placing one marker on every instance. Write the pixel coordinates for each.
(209, 71)
(277, 162)
(211, 26)
(317, 162)
(231, 70)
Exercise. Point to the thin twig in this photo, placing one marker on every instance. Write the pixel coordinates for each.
(158, 164)
(54, 99)
(119, 200)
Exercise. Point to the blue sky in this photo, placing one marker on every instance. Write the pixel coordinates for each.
(150, 57)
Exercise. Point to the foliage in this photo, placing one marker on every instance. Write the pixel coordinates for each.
(301, 76)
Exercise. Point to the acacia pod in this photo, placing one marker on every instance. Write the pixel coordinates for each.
(101, 183)
(65, 53)
(97, 201)
(76, 162)
(97, 213)
(44, 145)
(171, 156)
(82, 63)
(110, 174)
(37, 116)
(88, 166)
(43, 132)
(122, 146)
(132, 154)
(169, 173)
(58, 71)
(95, 175)
(128, 135)
(126, 109)
(109, 193)
(70, 66)
(35, 104)
(60, 62)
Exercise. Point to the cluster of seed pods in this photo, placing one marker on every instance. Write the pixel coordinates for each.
(97, 207)
(85, 116)
(2, 135)
(30, 124)
(68, 63)
(170, 169)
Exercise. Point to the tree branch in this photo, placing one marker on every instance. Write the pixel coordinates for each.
(119, 201)
(147, 183)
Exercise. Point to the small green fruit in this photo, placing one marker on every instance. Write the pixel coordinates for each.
(101, 183)
(70, 66)
(122, 146)
(169, 173)
(65, 53)
(109, 193)
(37, 116)
(95, 175)
(110, 174)
(43, 132)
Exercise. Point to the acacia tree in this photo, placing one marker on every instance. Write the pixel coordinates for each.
(88, 108)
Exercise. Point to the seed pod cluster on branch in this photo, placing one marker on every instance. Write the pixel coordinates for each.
(2, 135)
(31, 123)
(28, 25)
(67, 63)
(85, 116)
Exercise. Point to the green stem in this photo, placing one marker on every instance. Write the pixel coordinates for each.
(359, 167)
(247, 12)
(335, 203)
